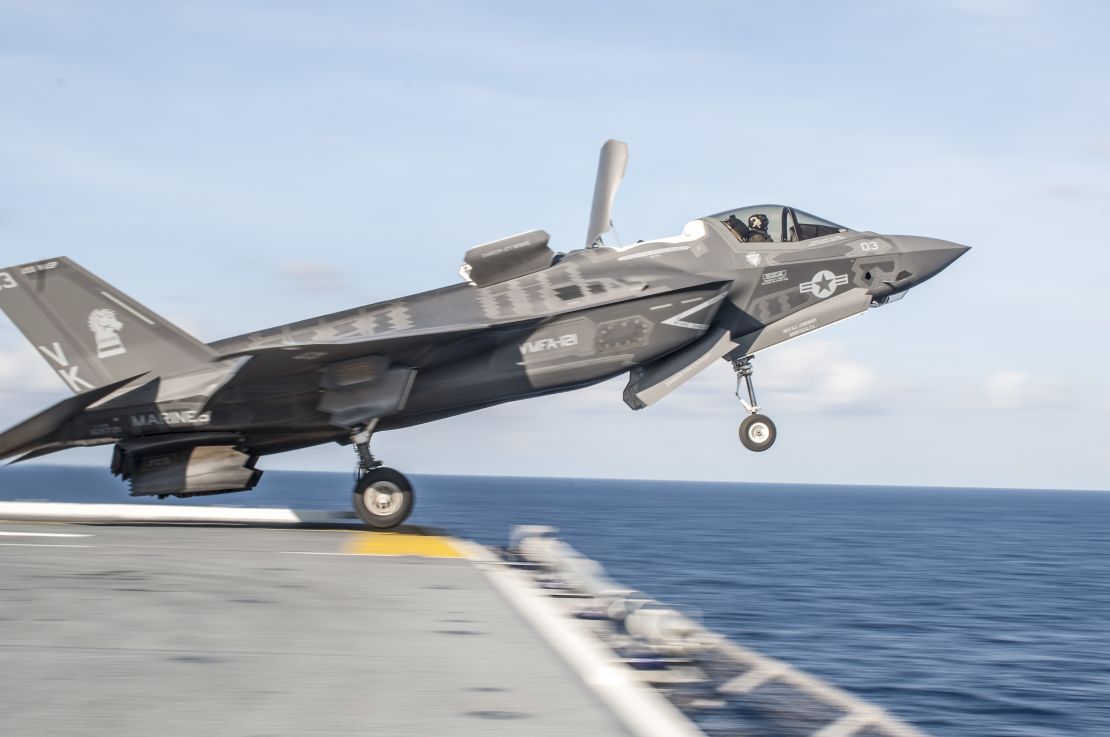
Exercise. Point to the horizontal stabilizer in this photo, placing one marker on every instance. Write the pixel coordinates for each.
(41, 429)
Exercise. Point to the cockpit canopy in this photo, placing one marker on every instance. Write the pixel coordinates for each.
(774, 224)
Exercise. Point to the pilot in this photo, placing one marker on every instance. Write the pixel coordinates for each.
(757, 225)
(743, 232)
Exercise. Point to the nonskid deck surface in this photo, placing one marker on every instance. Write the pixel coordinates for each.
(189, 630)
(140, 625)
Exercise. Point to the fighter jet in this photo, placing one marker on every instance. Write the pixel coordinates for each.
(189, 418)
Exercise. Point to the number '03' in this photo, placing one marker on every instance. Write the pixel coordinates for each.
(6, 281)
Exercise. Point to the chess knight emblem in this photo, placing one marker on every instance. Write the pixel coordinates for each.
(106, 326)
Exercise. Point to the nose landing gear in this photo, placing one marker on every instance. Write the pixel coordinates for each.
(383, 497)
(757, 432)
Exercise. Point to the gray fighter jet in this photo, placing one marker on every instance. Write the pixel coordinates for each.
(189, 418)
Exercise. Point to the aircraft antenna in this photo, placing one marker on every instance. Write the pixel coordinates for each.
(616, 235)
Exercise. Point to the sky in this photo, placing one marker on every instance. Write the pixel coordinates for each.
(235, 166)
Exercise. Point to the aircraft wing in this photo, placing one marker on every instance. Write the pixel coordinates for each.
(360, 379)
(277, 357)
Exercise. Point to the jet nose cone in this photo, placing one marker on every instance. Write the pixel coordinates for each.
(924, 258)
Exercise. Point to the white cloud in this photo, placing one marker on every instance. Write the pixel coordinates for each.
(27, 385)
(1100, 146)
(311, 276)
(1075, 191)
(806, 376)
(817, 376)
(994, 9)
(1010, 390)
(21, 371)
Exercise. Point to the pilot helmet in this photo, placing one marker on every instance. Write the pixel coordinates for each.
(758, 221)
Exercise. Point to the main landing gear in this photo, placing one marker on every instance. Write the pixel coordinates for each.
(383, 497)
(757, 432)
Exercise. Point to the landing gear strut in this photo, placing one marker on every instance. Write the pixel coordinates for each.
(383, 497)
(757, 432)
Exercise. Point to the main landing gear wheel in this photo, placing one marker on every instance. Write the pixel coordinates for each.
(383, 498)
(757, 432)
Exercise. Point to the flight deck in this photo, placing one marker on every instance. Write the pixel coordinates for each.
(152, 625)
(190, 630)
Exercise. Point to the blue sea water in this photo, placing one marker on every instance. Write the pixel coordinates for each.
(970, 613)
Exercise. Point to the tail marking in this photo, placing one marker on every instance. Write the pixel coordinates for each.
(67, 372)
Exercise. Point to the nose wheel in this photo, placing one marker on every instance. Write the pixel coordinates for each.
(757, 432)
(383, 497)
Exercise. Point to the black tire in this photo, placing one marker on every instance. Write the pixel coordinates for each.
(378, 515)
(758, 433)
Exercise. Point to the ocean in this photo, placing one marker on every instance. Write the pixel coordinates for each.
(968, 612)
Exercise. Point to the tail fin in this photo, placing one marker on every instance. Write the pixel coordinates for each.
(89, 332)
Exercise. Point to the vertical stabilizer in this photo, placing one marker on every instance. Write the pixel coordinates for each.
(90, 333)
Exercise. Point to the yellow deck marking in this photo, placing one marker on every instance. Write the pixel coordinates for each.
(398, 543)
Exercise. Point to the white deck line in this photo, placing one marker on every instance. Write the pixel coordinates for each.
(7, 533)
(44, 545)
(61, 512)
(642, 710)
